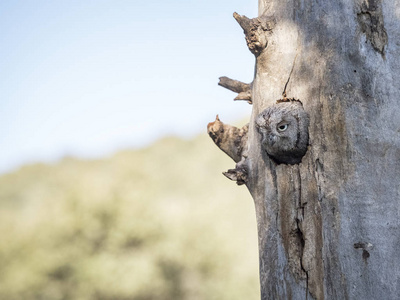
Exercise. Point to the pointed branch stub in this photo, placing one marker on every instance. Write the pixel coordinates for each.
(255, 31)
(243, 21)
(230, 139)
(243, 89)
(239, 175)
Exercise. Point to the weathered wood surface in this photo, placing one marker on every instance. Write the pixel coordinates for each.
(328, 227)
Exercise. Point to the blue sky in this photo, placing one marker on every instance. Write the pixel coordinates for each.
(88, 78)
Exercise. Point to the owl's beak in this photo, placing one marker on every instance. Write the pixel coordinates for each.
(272, 139)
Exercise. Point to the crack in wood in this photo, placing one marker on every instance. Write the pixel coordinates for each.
(301, 235)
(290, 74)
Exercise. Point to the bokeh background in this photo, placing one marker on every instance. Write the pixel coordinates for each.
(109, 186)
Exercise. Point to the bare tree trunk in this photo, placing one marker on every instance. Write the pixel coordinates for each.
(328, 226)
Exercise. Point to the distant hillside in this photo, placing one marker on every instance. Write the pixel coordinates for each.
(156, 223)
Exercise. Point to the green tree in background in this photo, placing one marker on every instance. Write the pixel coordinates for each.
(149, 224)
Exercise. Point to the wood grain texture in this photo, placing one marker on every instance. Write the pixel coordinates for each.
(329, 226)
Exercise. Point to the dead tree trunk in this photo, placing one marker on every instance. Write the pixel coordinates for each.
(327, 212)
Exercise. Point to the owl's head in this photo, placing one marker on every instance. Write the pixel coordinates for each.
(284, 131)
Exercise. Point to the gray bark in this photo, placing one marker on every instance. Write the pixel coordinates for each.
(328, 227)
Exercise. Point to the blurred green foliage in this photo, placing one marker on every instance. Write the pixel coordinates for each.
(157, 223)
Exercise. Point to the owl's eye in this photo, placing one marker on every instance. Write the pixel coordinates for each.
(282, 127)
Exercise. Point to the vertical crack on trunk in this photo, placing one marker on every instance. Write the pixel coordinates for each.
(290, 74)
(300, 234)
(302, 245)
(291, 212)
(275, 183)
(319, 178)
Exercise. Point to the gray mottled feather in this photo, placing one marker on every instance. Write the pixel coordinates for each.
(284, 131)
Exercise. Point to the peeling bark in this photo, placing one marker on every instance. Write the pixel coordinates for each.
(371, 22)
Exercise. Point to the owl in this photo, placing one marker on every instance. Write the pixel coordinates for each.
(284, 131)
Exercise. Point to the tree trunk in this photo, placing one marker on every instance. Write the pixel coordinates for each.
(328, 225)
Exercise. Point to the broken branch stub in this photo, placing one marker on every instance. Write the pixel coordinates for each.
(238, 174)
(244, 96)
(255, 31)
(243, 89)
(233, 85)
(230, 139)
